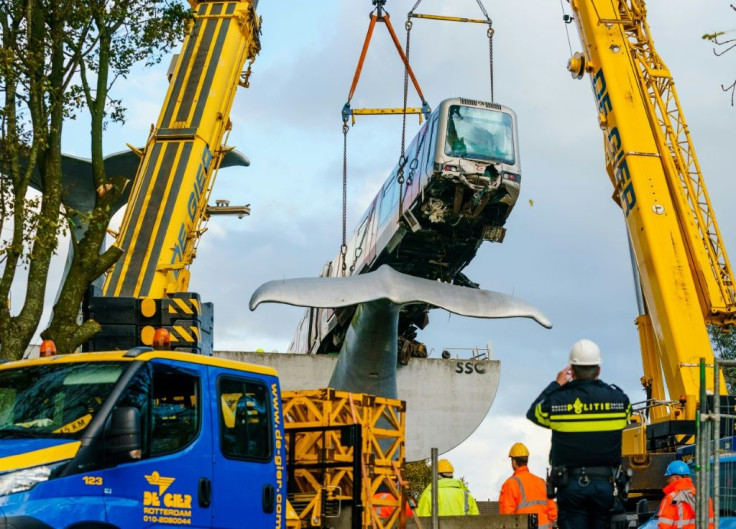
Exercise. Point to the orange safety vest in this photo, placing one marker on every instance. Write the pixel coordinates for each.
(678, 506)
(386, 511)
(525, 493)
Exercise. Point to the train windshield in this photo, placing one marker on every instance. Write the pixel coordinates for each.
(480, 134)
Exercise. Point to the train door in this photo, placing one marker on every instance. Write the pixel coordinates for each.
(165, 487)
(245, 476)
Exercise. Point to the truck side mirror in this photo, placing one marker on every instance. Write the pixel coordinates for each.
(123, 435)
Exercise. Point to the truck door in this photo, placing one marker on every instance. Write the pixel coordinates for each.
(246, 450)
(169, 486)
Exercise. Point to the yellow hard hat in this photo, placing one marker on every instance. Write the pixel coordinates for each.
(444, 467)
(519, 450)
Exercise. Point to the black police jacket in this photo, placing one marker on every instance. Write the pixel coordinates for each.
(586, 418)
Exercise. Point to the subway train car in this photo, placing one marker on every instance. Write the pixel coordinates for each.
(461, 180)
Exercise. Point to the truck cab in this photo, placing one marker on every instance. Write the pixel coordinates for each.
(140, 439)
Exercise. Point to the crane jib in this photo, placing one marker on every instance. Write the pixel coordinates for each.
(193, 202)
(160, 228)
(624, 186)
(167, 208)
(165, 182)
(627, 196)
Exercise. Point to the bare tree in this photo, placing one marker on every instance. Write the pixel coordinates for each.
(722, 46)
(57, 59)
(119, 35)
(724, 347)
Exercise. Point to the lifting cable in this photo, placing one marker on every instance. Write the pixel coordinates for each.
(407, 70)
(487, 21)
(567, 19)
(379, 14)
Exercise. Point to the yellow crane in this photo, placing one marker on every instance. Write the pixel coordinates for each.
(169, 201)
(147, 288)
(685, 275)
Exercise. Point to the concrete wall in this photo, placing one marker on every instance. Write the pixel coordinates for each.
(446, 400)
(490, 521)
(484, 521)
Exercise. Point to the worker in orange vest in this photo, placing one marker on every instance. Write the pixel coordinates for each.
(385, 512)
(525, 493)
(678, 505)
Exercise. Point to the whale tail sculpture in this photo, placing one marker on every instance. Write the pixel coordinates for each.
(368, 359)
(456, 394)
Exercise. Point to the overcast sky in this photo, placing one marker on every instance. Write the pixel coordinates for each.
(566, 253)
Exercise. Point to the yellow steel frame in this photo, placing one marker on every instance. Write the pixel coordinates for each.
(381, 16)
(167, 208)
(685, 178)
(383, 434)
(449, 19)
(686, 277)
(382, 111)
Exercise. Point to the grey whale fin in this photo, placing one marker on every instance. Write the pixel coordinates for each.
(400, 289)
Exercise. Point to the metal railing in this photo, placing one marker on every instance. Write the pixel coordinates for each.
(715, 456)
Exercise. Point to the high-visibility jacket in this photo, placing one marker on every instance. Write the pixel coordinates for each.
(586, 418)
(453, 498)
(678, 506)
(525, 493)
(386, 511)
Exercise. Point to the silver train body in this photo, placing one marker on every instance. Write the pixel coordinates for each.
(461, 181)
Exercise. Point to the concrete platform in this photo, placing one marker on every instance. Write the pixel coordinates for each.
(446, 400)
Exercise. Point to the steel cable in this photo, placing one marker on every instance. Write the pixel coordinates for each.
(344, 247)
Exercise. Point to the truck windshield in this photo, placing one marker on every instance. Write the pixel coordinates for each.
(480, 134)
(54, 400)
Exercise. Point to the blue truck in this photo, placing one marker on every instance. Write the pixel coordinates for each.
(140, 438)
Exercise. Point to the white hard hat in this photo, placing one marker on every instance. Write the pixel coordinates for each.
(585, 353)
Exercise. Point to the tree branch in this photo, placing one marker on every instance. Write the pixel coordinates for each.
(731, 88)
(107, 259)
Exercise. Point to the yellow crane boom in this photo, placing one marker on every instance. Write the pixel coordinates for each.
(168, 202)
(686, 279)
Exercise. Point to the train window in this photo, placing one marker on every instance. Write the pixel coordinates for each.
(390, 200)
(357, 244)
(411, 152)
(360, 239)
(480, 134)
(411, 174)
(431, 143)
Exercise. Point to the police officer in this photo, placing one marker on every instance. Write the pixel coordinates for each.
(586, 417)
